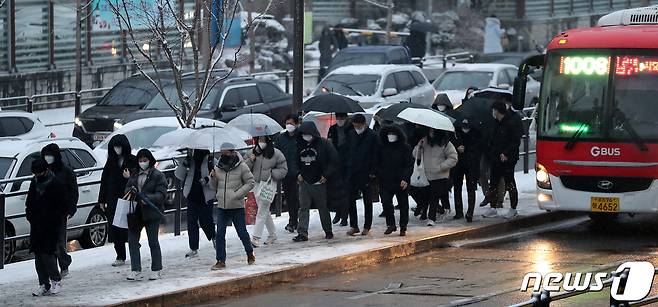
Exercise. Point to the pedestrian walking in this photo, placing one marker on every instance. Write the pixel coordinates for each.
(438, 157)
(120, 164)
(269, 167)
(286, 142)
(468, 142)
(194, 173)
(148, 187)
(316, 156)
(503, 154)
(363, 145)
(337, 134)
(443, 104)
(45, 209)
(53, 157)
(233, 181)
(394, 168)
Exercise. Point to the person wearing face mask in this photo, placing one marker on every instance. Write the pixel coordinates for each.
(286, 142)
(503, 152)
(317, 159)
(45, 209)
(53, 157)
(233, 181)
(470, 92)
(442, 104)
(337, 134)
(120, 164)
(194, 173)
(266, 164)
(394, 169)
(468, 142)
(438, 156)
(148, 188)
(363, 147)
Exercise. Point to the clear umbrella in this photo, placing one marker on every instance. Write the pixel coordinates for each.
(206, 138)
(255, 124)
(427, 118)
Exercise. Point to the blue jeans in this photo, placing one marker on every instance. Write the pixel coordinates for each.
(152, 229)
(199, 215)
(237, 216)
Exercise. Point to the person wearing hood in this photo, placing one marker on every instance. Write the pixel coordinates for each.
(286, 142)
(470, 92)
(394, 168)
(53, 157)
(148, 187)
(268, 165)
(493, 35)
(45, 209)
(337, 134)
(118, 167)
(363, 145)
(468, 142)
(316, 156)
(233, 180)
(442, 104)
(194, 173)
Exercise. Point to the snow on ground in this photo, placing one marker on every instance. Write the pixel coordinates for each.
(60, 120)
(93, 281)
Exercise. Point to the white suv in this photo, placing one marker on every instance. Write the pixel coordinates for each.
(16, 158)
(22, 125)
(379, 85)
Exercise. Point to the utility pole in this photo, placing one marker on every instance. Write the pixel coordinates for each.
(251, 36)
(389, 16)
(298, 57)
(428, 36)
(78, 56)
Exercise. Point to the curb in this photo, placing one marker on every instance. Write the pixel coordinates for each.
(225, 289)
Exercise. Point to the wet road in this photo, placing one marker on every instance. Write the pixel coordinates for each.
(476, 273)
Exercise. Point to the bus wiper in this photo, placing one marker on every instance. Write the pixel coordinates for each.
(626, 125)
(572, 140)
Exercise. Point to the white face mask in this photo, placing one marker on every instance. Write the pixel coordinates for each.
(307, 137)
(466, 130)
(359, 131)
(144, 165)
(494, 115)
(118, 150)
(340, 122)
(290, 128)
(442, 108)
(262, 145)
(49, 159)
(470, 95)
(392, 138)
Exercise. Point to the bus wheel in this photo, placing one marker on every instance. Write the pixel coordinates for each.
(603, 219)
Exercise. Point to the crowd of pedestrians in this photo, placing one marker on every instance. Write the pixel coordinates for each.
(329, 174)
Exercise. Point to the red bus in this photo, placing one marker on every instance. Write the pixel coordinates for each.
(597, 118)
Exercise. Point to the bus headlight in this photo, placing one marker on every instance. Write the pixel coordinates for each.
(543, 180)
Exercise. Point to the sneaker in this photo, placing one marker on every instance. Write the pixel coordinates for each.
(192, 254)
(336, 219)
(134, 275)
(270, 240)
(365, 232)
(491, 212)
(403, 232)
(484, 202)
(255, 242)
(300, 238)
(343, 223)
(41, 291)
(430, 223)
(55, 287)
(390, 230)
(218, 266)
(155, 275)
(290, 228)
(353, 231)
(214, 243)
(329, 235)
(118, 262)
(64, 273)
(511, 214)
(251, 258)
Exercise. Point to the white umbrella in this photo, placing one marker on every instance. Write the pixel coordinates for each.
(255, 124)
(206, 138)
(427, 118)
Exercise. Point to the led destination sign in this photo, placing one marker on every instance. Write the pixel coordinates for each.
(600, 65)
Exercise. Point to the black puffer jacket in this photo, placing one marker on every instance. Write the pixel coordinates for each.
(506, 139)
(317, 158)
(45, 209)
(154, 190)
(473, 147)
(65, 174)
(395, 162)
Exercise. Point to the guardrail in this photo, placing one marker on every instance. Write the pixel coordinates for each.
(545, 298)
(177, 211)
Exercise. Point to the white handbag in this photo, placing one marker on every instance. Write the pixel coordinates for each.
(418, 177)
(121, 213)
(266, 191)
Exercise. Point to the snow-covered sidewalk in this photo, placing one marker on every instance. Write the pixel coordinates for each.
(92, 281)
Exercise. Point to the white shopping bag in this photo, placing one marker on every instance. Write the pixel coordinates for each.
(266, 191)
(121, 213)
(418, 177)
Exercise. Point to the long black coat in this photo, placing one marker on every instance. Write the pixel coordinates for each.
(473, 147)
(395, 162)
(342, 149)
(66, 175)
(362, 157)
(113, 184)
(46, 213)
(506, 139)
(287, 144)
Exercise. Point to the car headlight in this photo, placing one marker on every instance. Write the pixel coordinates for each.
(77, 122)
(543, 179)
(117, 125)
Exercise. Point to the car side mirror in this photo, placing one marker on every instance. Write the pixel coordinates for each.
(388, 92)
(229, 107)
(518, 93)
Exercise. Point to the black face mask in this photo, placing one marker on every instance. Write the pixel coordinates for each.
(225, 158)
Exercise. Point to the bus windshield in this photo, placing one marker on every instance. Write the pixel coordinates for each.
(595, 95)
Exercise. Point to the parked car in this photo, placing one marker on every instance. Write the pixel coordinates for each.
(22, 125)
(512, 58)
(454, 81)
(365, 55)
(16, 158)
(373, 85)
(228, 99)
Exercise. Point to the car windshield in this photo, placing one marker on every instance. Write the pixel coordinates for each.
(189, 86)
(349, 85)
(345, 59)
(461, 80)
(144, 137)
(5, 166)
(576, 96)
(130, 92)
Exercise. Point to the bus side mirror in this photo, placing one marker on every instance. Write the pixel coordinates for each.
(518, 94)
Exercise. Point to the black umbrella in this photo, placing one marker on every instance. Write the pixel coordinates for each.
(391, 113)
(423, 27)
(478, 112)
(331, 103)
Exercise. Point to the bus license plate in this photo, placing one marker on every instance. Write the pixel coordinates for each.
(605, 204)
